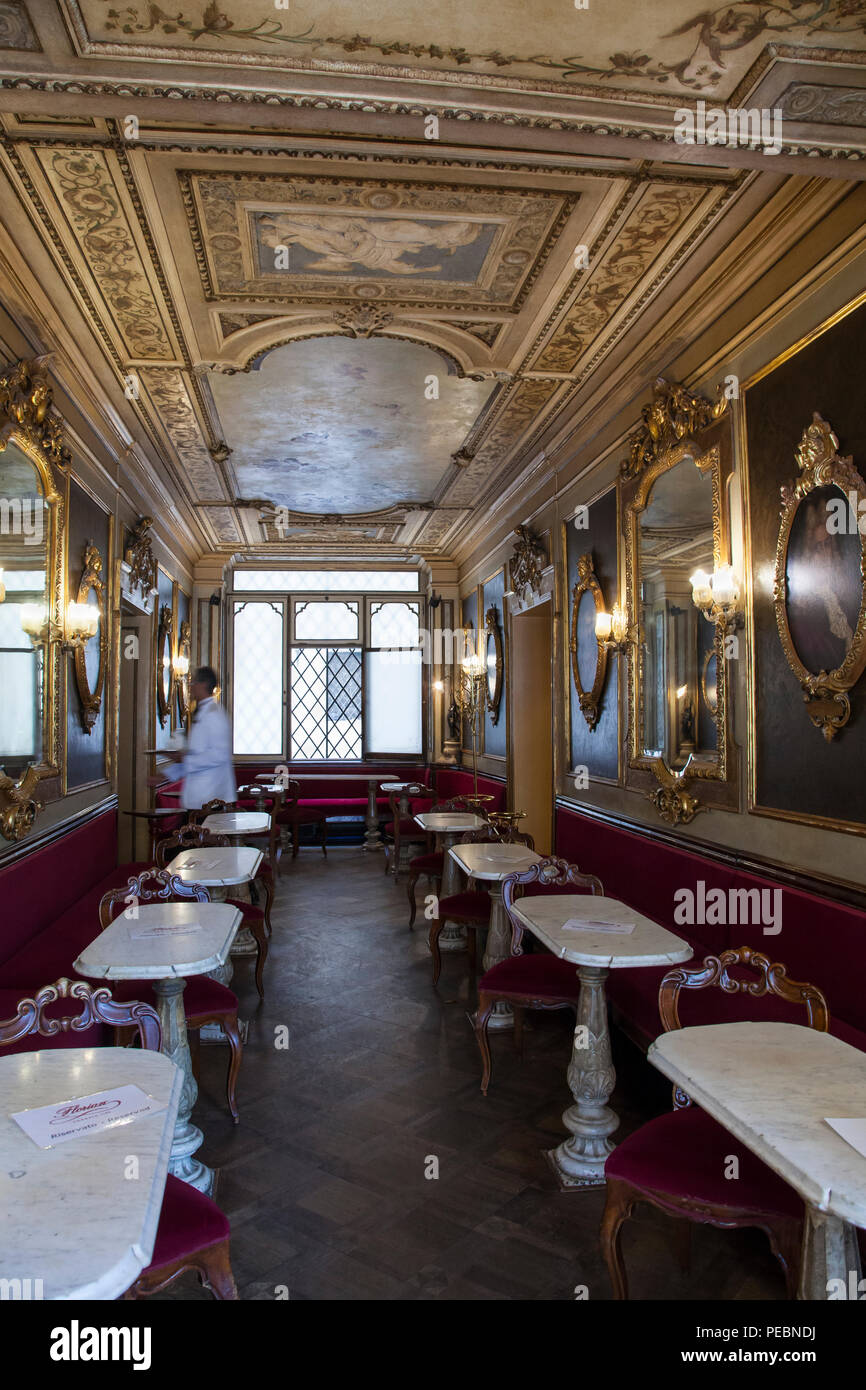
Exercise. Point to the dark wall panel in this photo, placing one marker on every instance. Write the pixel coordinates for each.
(597, 748)
(495, 734)
(85, 752)
(797, 769)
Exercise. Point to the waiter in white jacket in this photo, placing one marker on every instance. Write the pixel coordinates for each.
(206, 763)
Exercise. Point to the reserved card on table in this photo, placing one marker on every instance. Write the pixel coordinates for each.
(587, 924)
(176, 929)
(84, 1115)
(852, 1131)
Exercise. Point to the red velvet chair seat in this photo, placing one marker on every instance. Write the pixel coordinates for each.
(202, 996)
(427, 863)
(685, 1154)
(188, 1221)
(468, 904)
(539, 976)
(248, 909)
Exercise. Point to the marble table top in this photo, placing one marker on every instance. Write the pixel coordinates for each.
(448, 822)
(217, 866)
(321, 777)
(238, 823)
(69, 1216)
(648, 944)
(406, 787)
(773, 1085)
(494, 862)
(122, 953)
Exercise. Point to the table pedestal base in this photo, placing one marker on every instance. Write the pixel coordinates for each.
(187, 1136)
(498, 948)
(830, 1253)
(372, 838)
(223, 973)
(579, 1161)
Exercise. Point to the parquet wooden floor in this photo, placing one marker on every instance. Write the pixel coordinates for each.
(324, 1178)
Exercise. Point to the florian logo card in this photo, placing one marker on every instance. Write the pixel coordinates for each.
(85, 1115)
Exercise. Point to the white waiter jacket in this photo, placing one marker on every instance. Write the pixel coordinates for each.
(207, 768)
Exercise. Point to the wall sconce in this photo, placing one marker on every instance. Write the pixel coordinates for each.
(439, 686)
(717, 595)
(2, 586)
(82, 622)
(180, 666)
(611, 629)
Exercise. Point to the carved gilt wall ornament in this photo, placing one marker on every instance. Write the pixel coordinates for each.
(140, 558)
(587, 583)
(494, 663)
(819, 590)
(672, 800)
(528, 561)
(26, 410)
(164, 674)
(91, 696)
(672, 414)
(364, 320)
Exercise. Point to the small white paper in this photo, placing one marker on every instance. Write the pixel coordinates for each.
(179, 929)
(587, 924)
(84, 1115)
(852, 1131)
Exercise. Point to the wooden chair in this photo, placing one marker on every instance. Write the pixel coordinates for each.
(292, 816)
(272, 803)
(678, 1161)
(471, 909)
(538, 981)
(400, 830)
(193, 1234)
(204, 1000)
(265, 878)
(253, 917)
(431, 863)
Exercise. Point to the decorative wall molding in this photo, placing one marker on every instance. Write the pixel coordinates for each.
(672, 414)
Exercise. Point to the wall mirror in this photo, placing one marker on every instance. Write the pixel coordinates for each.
(32, 459)
(675, 521)
(163, 665)
(588, 654)
(90, 658)
(494, 663)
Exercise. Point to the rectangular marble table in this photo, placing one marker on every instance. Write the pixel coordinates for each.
(490, 864)
(188, 938)
(774, 1086)
(69, 1215)
(372, 838)
(579, 1161)
(219, 868)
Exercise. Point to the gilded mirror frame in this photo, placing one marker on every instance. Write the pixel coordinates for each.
(678, 426)
(28, 419)
(92, 581)
(824, 692)
(587, 583)
(494, 635)
(184, 648)
(163, 664)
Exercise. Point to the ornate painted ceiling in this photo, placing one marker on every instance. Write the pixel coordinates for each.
(311, 298)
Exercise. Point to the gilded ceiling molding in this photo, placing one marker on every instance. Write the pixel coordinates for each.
(672, 414)
(523, 406)
(363, 320)
(813, 101)
(16, 31)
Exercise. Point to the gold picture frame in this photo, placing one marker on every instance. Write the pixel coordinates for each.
(184, 648)
(164, 673)
(494, 687)
(587, 583)
(92, 582)
(825, 692)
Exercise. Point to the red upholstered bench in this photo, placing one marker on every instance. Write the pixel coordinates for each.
(821, 942)
(347, 799)
(452, 781)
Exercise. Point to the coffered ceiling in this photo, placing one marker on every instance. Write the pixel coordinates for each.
(343, 328)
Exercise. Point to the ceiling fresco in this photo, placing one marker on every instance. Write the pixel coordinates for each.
(281, 255)
(343, 425)
(672, 45)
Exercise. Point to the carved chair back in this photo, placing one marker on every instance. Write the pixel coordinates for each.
(457, 803)
(498, 834)
(97, 1007)
(151, 886)
(550, 875)
(186, 837)
(767, 979)
(216, 807)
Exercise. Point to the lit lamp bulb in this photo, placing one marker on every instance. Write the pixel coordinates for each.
(82, 620)
(180, 665)
(34, 619)
(2, 586)
(724, 586)
(603, 626)
(702, 589)
(439, 685)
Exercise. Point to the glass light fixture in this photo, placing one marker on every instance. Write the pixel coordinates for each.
(611, 629)
(180, 665)
(2, 586)
(34, 621)
(717, 595)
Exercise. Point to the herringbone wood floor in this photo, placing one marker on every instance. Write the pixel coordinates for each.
(324, 1178)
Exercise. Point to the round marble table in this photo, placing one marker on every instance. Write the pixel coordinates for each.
(71, 1218)
(448, 826)
(491, 864)
(236, 824)
(579, 1161)
(166, 943)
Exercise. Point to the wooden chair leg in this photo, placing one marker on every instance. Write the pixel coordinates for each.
(617, 1210)
(413, 906)
(264, 885)
(472, 952)
(212, 1265)
(229, 1024)
(195, 1052)
(483, 1012)
(436, 926)
(786, 1241)
(296, 837)
(683, 1240)
(259, 935)
(324, 836)
(386, 856)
